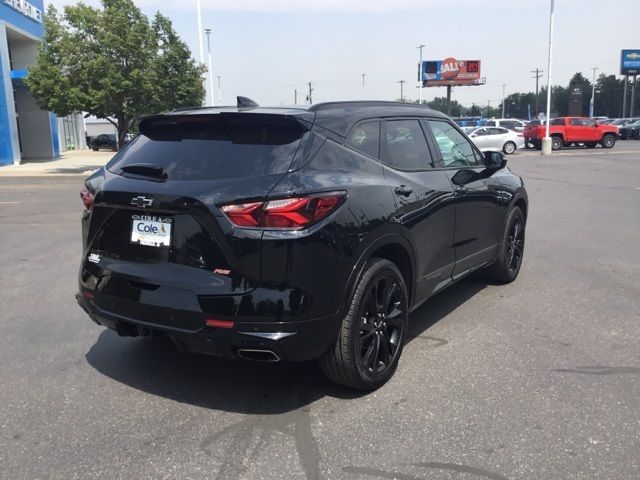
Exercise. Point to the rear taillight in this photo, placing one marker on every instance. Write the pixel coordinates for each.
(288, 213)
(87, 198)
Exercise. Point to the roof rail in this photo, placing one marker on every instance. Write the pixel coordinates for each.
(363, 103)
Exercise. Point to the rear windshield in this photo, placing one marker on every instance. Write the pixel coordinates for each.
(209, 148)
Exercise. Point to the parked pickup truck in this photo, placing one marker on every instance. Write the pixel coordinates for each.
(565, 131)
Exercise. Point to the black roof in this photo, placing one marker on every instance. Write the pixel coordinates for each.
(337, 117)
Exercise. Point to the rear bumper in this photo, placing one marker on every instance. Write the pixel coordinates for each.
(294, 340)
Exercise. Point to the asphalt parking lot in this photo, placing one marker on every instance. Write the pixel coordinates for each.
(539, 379)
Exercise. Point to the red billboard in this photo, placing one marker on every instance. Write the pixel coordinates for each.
(451, 72)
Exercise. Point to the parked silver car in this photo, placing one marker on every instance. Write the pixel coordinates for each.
(496, 138)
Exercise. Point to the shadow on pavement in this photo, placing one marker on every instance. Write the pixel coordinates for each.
(274, 399)
(156, 367)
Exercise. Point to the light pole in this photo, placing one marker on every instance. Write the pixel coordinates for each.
(219, 93)
(503, 87)
(200, 46)
(420, 47)
(363, 75)
(546, 142)
(207, 31)
(593, 92)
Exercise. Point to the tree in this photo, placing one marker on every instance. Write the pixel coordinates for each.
(114, 64)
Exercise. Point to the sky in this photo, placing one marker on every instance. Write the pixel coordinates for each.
(266, 49)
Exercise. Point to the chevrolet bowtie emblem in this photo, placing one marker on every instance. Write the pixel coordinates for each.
(141, 201)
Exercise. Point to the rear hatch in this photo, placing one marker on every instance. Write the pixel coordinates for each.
(155, 224)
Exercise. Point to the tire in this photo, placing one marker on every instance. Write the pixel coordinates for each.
(556, 143)
(369, 344)
(591, 144)
(608, 141)
(527, 144)
(507, 266)
(509, 147)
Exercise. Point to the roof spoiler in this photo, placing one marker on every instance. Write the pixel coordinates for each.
(245, 102)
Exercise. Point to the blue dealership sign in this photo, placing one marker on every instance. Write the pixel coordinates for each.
(630, 62)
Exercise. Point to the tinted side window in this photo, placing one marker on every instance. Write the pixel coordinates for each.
(405, 145)
(490, 123)
(455, 148)
(587, 122)
(509, 124)
(365, 138)
(576, 122)
(557, 121)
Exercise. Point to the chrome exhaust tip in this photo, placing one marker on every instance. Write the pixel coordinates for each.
(258, 355)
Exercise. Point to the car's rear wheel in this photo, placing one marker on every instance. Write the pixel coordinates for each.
(556, 143)
(608, 141)
(371, 336)
(507, 266)
(509, 148)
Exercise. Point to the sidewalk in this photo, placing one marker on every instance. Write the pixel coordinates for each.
(79, 162)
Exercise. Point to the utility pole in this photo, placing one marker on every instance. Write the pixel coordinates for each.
(488, 107)
(420, 47)
(295, 96)
(363, 94)
(401, 82)
(310, 98)
(219, 93)
(537, 76)
(593, 92)
(207, 31)
(503, 86)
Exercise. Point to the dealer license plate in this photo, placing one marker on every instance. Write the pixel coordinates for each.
(151, 230)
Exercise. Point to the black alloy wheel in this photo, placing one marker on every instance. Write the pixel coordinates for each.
(507, 265)
(515, 247)
(369, 344)
(381, 325)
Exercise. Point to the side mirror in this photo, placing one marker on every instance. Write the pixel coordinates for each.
(494, 160)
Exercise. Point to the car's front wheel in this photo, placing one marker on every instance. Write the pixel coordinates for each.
(371, 336)
(556, 143)
(608, 141)
(507, 266)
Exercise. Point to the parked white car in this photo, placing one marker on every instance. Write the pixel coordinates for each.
(508, 123)
(496, 138)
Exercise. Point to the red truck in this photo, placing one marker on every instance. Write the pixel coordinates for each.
(565, 131)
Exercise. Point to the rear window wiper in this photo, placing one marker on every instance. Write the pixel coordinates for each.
(145, 170)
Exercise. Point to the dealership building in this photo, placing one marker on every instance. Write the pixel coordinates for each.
(27, 131)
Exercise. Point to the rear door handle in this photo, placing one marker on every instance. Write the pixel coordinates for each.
(403, 190)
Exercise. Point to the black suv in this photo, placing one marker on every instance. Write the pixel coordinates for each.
(294, 233)
(106, 140)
